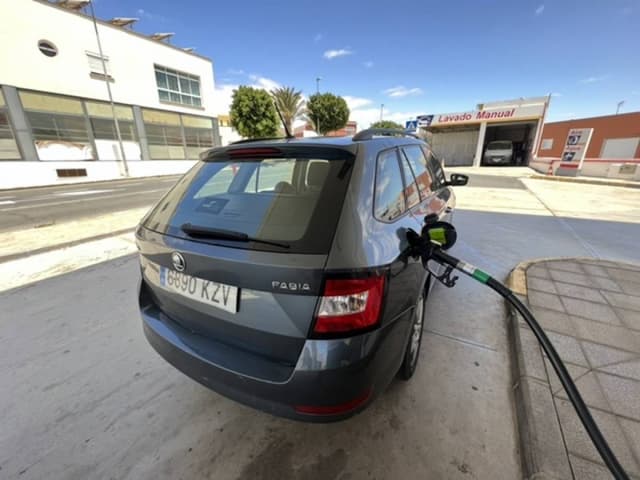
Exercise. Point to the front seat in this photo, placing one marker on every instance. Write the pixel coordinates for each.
(316, 175)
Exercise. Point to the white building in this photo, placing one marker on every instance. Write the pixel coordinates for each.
(55, 118)
(460, 138)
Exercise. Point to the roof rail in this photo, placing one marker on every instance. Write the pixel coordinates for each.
(369, 133)
(249, 140)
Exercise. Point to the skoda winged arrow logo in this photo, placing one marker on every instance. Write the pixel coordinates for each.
(178, 261)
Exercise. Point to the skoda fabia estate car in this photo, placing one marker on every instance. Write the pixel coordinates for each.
(278, 272)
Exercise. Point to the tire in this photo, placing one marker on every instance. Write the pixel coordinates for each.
(412, 352)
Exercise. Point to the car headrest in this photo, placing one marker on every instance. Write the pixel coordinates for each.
(317, 173)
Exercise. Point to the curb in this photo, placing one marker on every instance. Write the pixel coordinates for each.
(543, 451)
(618, 183)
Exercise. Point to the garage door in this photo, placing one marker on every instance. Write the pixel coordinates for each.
(620, 148)
(456, 148)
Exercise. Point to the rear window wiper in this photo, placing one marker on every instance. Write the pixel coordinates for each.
(198, 231)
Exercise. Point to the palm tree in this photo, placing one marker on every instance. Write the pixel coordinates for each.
(290, 103)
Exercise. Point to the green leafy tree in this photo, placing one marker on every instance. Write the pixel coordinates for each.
(327, 112)
(386, 124)
(252, 113)
(290, 103)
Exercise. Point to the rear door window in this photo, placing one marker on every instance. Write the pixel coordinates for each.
(435, 166)
(411, 193)
(418, 163)
(389, 200)
(293, 200)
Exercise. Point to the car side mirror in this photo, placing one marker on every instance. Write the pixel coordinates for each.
(457, 180)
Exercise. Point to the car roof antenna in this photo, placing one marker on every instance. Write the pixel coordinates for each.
(286, 128)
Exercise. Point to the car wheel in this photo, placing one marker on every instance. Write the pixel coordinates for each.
(412, 353)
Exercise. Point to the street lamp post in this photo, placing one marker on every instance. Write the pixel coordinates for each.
(620, 103)
(381, 110)
(318, 84)
(106, 81)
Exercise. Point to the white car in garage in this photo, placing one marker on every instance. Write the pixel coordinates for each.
(498, 152)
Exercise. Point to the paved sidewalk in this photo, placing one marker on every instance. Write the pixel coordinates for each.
(611, 182)
(590, 310)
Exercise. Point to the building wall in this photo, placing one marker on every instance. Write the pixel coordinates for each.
(612, 126)
(131, 57)
(54, 114)
(32, 174)
(626, 125)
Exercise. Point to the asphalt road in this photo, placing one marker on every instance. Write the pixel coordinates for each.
(31, 207)
(82, 395)
(27, 208)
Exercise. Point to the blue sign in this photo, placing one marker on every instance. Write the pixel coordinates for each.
(411, 125)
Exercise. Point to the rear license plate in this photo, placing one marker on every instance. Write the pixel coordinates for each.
(215, 294)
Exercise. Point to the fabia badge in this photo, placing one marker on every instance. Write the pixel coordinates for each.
(290, 286)
(178, 261)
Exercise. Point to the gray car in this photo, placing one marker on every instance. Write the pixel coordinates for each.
(278, 272)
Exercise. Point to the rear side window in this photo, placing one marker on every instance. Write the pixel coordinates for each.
(292, 200)
(418, 162)
(389, 200)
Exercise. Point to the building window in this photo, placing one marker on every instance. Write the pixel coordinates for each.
(104, 131)
(8, 148)
(198, 134)
(47, 48)
(547, 144)
(178, 87)
(164, 135)
(58, 126)
(95, 65)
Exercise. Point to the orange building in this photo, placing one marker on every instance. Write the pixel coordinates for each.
(614, 149)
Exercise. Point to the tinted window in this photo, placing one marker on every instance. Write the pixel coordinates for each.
(411, 194)
(419, 165)
(389, 202)
(437, 173)
(271, 174)
(292, 200)
(499, 146)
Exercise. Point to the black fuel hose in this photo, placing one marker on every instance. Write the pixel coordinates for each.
(575, 398)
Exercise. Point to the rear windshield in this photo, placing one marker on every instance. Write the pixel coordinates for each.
(499, 146)
(292, 200)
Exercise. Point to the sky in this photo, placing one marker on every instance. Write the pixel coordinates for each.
(414, 58)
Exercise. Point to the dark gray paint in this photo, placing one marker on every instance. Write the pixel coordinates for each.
(242, 355)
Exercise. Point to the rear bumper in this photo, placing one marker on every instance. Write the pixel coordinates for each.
(343, 374)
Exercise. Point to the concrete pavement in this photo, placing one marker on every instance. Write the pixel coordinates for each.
(590, 309)
(85, 396)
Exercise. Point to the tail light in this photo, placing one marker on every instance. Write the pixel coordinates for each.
(348, 305)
